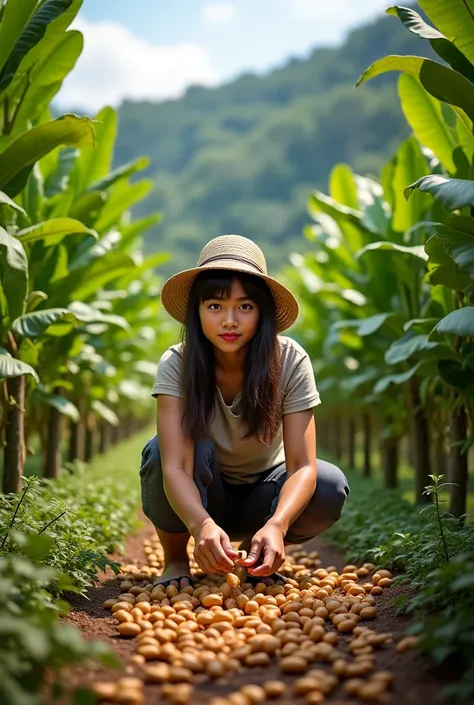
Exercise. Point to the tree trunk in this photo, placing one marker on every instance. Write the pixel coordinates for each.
(351, 450)
(105, 435)
(390, 457)
(89, 445)
(420, 437)
(458, 461)
(440, 459)
(77, 435)
(14, 451)
(115, 434)
(75, 442)
(53, 458)
(367, 425)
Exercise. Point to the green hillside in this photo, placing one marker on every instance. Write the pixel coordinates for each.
(243, 157)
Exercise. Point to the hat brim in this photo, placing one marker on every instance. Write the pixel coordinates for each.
(175, 292)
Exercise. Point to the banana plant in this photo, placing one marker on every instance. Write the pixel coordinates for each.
(82, 183)
(438, 103)
(66, 234)
(377, 282)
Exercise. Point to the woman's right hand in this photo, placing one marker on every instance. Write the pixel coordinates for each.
(213, 551)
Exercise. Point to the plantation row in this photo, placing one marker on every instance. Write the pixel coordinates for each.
(387, 317)
(79, 312)
(387, 291)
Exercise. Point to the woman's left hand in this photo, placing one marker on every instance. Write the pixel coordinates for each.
(267, 551)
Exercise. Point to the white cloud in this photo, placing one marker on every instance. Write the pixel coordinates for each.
(218, 13)
(347, 11)
(116, 64)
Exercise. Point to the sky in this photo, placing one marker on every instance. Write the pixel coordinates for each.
(155, 49)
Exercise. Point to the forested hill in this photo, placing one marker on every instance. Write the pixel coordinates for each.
(242, 158)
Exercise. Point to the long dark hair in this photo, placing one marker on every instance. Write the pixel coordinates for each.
(261, 396)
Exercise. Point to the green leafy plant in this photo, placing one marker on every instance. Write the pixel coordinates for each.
(432, 555)
(57, 536)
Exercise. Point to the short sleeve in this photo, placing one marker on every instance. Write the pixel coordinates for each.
(168, 375)
(301, 392)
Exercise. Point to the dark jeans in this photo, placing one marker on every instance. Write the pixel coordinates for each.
(241, 510)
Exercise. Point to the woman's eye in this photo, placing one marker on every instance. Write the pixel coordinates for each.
(247, 307)
(211, 306)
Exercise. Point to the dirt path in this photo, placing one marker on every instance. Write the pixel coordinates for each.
(413, 682)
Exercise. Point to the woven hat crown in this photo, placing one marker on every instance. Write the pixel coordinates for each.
(231, 253)
(227, 247)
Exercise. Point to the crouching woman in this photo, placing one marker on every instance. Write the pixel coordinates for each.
(235, 455)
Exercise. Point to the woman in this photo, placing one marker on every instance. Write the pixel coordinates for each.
(236, 456)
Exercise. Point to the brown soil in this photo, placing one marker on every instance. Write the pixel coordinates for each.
(414, 682)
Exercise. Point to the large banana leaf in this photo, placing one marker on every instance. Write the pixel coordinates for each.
(406, 264)
(136, 227)
(17, 161)
(31, 35)
(456, 20)
(121, 172)
(442, 270)
(105, 412)
(465, 137)
(11, 367)
(13, 273)
(49, 76)
(423, 112)
(84, 283)
(33, 195)
(350, 223)
(84, 315)
(441, 82)
(123, 197)
(458, 242)
(32, 325)
(88, 314)
(405, 347)
(342, 186)
(15, 17)
(409, 163)
(320, 203)
(393, 248)
(377, 211)
(446, 49)
(459, 322)
(53, 231)
(61, 404)
(153, 262)
(89, 251)
(365, 326)
(56, 169)
(361, 194)
(54, 32)
(87, 207)
(398, 378)
(7, 203)
(451, 193)
(94, 163)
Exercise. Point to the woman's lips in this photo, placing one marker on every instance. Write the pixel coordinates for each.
(230, 336)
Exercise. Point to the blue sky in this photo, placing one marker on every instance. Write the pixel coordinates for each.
(149, 49)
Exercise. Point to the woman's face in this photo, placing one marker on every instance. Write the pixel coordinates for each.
(230, 323)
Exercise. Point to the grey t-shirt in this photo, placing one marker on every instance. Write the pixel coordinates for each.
(242, 461)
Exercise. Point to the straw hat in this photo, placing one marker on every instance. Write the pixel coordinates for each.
(235, 253)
